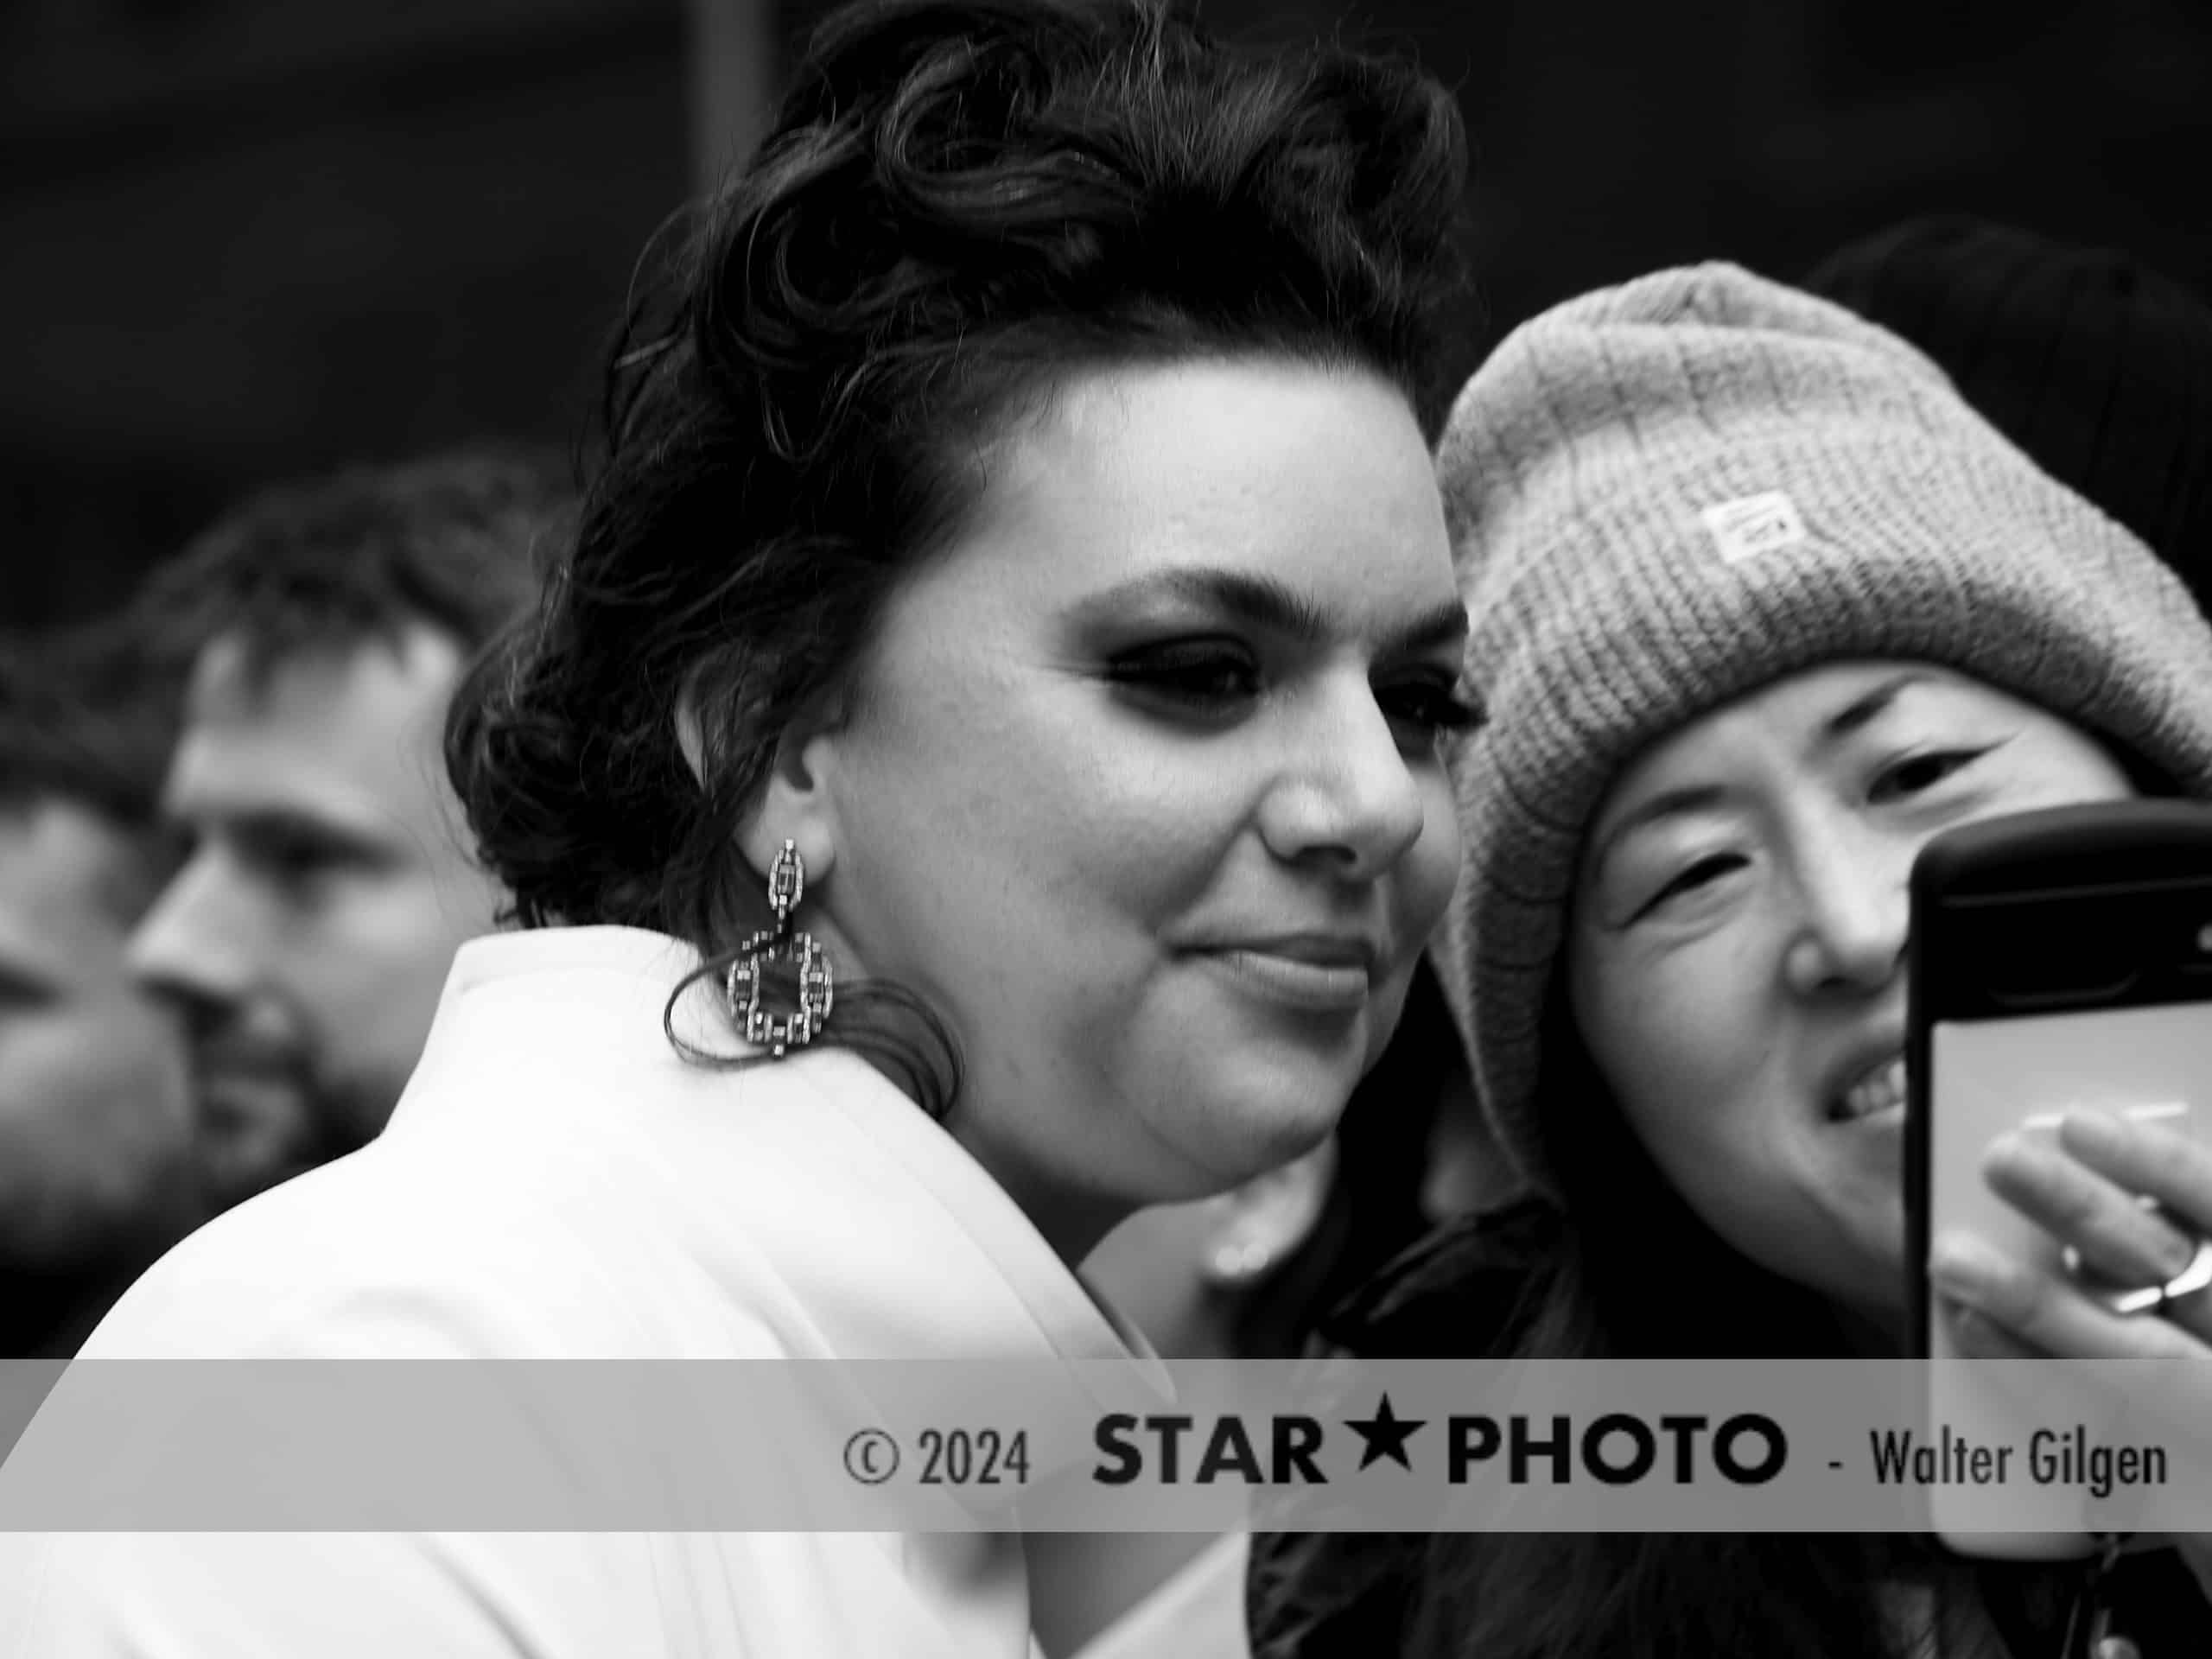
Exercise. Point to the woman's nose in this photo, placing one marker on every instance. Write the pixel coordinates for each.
(1349, 794)
(1855, 912)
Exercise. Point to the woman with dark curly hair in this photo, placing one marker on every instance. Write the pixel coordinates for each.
(975, 775)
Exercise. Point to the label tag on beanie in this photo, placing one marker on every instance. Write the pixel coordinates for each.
(1753, 524)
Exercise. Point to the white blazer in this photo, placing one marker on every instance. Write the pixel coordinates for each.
(558, 1183)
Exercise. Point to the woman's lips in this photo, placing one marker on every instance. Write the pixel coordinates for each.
(1318, 987)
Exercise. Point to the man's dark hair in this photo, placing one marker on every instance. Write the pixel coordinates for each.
(87, 719)
(447, 540)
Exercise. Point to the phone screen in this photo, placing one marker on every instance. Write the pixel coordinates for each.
(2059, 962)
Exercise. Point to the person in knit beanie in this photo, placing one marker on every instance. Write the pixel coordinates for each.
(2097, 366)
(1760, 604)
(1669, 494)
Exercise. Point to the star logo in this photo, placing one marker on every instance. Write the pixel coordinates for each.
(1385, 1434)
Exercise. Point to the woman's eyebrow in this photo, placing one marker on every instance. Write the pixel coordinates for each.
(1861, 711)
(1260, 600)
(1444, 625)
(1264, 601)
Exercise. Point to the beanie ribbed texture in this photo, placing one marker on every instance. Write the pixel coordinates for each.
(1667, 494)
(2098, 366)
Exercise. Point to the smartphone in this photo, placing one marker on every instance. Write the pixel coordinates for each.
(2057, 960)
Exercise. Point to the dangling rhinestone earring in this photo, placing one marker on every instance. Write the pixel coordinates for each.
(743, 985)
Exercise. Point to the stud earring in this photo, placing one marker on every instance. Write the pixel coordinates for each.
(744, 984)
(1236, 1265)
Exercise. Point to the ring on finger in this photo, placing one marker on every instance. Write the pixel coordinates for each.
(2150, 1298)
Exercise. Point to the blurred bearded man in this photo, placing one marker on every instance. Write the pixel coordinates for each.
(328, 877)
(97, 1164)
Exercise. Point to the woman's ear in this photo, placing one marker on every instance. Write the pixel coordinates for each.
(795, 802)
(1253, 1230)
(691, 736)
(796, 805)
(795, 799)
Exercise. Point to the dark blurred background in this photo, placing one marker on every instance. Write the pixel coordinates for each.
(244, 239)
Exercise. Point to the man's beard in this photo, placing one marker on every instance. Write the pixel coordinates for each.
(262, 1123)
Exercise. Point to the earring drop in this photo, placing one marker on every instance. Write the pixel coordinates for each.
(743, 986)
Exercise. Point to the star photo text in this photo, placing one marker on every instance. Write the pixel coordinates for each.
(1615, 1449)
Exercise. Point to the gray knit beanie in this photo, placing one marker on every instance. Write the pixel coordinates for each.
(1667, 494)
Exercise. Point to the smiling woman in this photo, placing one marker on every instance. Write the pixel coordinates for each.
(1170, 697)
(1760, 607)
(1016, 597)
(1780, 831)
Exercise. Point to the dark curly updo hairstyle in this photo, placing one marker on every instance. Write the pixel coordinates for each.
(959, 203)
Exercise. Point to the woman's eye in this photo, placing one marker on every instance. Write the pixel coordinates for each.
(1917, 774)
(1198, 675)
(1702, 873)
(1433, 706)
